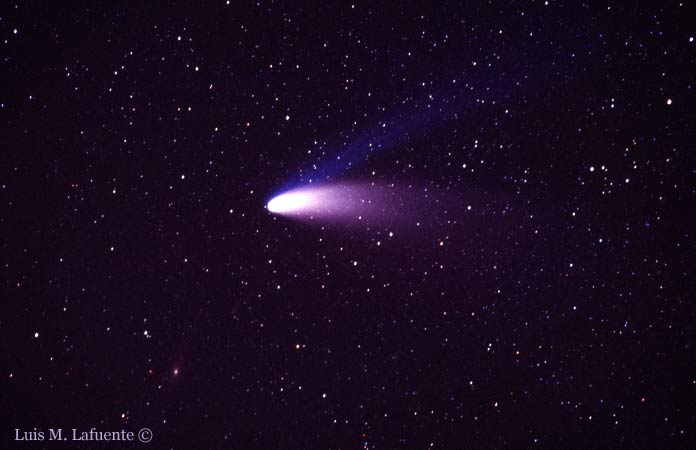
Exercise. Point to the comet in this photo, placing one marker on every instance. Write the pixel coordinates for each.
(338, 201)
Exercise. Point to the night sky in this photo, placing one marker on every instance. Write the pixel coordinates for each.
(525, 278)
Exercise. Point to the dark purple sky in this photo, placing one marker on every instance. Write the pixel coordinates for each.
(144, 284)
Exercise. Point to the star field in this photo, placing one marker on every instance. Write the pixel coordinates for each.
(529, 284)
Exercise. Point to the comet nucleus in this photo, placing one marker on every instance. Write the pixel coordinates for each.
(290, 202)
